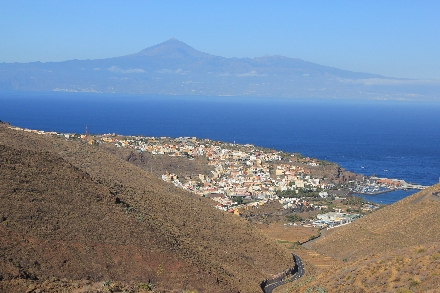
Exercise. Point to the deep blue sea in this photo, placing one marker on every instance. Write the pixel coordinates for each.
(394, 139)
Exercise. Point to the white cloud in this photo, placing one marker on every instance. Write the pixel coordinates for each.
(251, 73)
(119, 70)
(136, 70)
(387, 81)
(171, 71)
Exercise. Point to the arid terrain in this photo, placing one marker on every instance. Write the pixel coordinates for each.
(289, 234)
(395, 249)
(74, 217)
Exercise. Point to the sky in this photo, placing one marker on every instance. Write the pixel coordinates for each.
(391, 38)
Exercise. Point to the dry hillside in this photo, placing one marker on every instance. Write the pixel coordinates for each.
(406, 270)
(160, 164)
(71, 211)
(395, 249)
(412, 221)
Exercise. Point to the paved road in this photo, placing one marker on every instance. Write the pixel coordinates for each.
(297, 271)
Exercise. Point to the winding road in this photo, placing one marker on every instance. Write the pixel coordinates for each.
(296, 272)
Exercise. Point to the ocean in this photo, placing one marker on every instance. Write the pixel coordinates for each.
(394, 139)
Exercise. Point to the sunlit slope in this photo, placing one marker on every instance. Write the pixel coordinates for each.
(415, 220)
(395, 249)
(405, 270)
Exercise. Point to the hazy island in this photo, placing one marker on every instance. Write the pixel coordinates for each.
(175, 68)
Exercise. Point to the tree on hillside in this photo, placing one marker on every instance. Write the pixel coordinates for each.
(294, 218)
(238, 199)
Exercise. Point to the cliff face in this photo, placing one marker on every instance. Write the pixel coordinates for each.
(70, 210)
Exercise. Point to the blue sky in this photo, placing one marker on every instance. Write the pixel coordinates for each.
(392, 38)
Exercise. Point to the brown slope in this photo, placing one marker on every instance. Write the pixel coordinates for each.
(415, 220)
(160, 164)
(406, 270)
(395, 249)
(106, 239)
(55, 221)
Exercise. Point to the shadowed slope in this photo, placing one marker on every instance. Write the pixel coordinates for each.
(57, 222)
(82, 213)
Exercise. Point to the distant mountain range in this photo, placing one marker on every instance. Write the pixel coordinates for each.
(175, 68)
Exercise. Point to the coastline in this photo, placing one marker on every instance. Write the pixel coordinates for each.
(388, 197)
(378, 149)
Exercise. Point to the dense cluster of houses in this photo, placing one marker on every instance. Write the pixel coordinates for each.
(300, 204)
(242, 173)
(239, 170)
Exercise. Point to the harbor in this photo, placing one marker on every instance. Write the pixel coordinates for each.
(376, 186)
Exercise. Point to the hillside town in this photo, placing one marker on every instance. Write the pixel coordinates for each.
(246, 177)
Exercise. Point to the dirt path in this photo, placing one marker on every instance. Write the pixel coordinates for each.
(324, 232)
